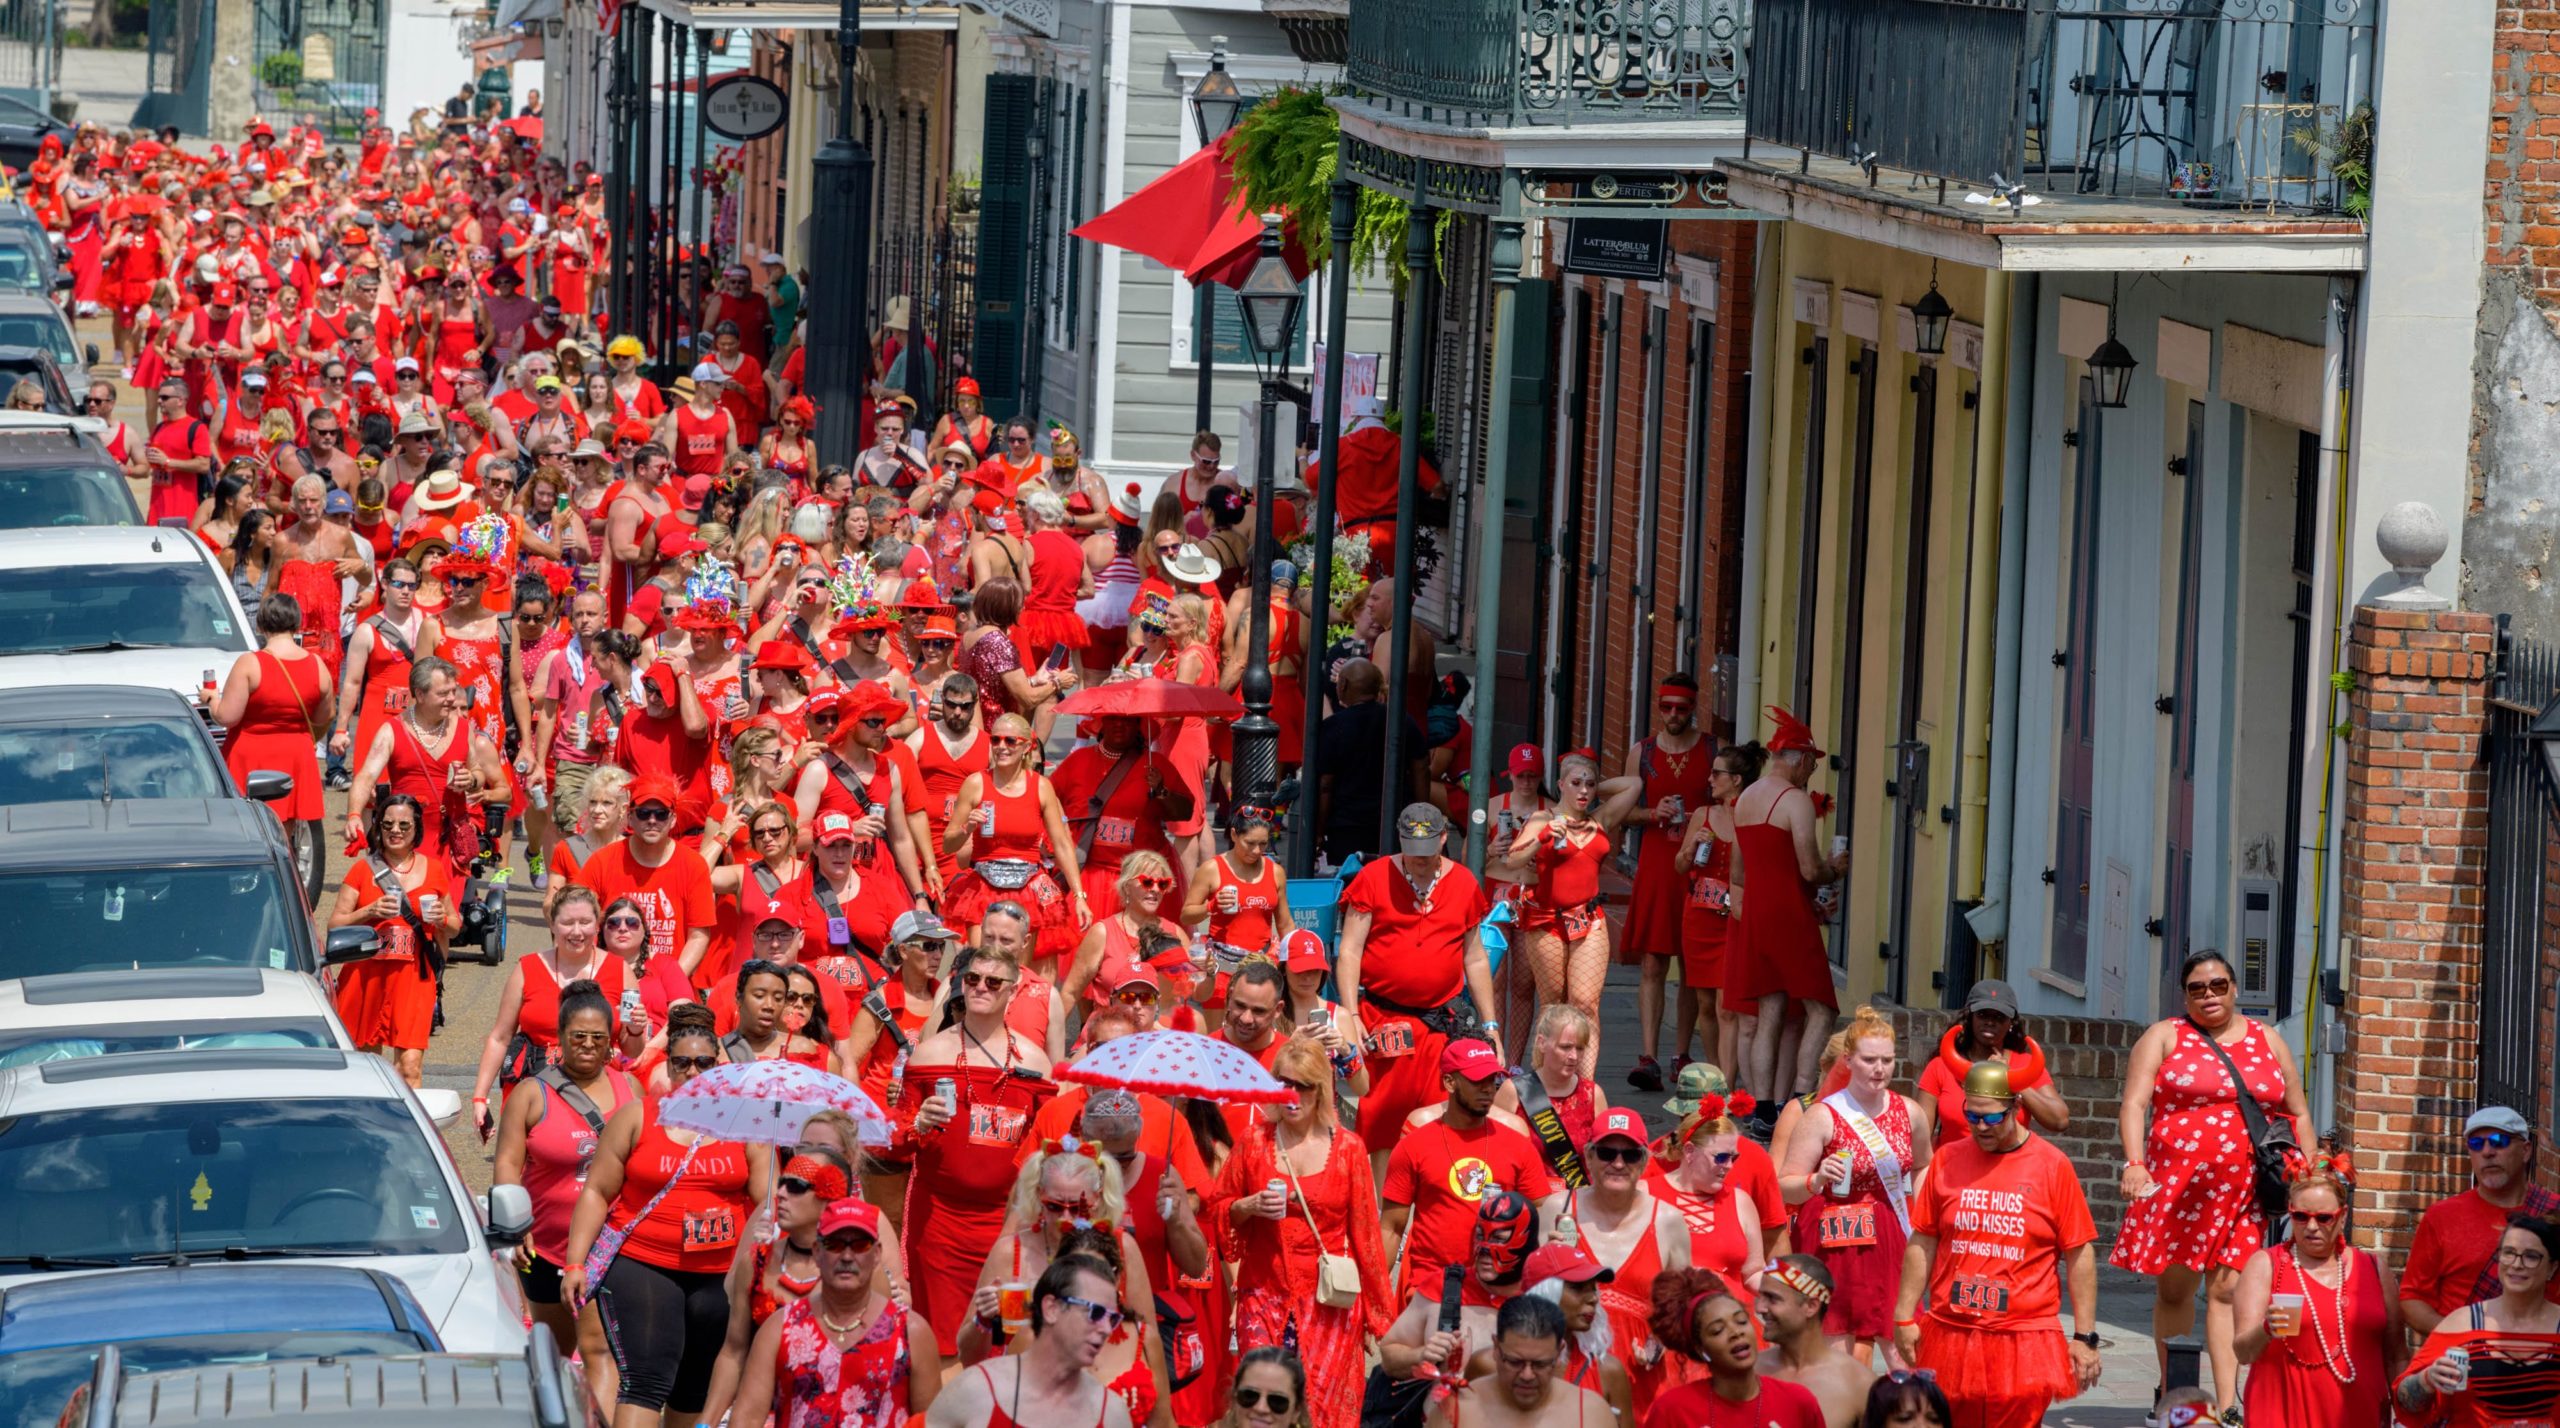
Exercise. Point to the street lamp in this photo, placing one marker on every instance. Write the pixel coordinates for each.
(1216, 104)
(2111, 366)
(839, 337)
(1929, 319)
(1271, 298)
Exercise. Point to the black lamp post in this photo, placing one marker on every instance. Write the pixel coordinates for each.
(1216, 104)
(1271, 298)
(1929, 319)
(2111, 366)
(839, 339)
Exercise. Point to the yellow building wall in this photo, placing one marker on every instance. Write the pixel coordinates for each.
(1894, 280)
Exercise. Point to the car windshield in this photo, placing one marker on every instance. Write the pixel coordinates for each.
(148, 758)
(32, 331)
(48, 608)
(22, 271)
(38, 1386)
(94, 920)
(35, 1047)
(33, 497)
(318, 1177)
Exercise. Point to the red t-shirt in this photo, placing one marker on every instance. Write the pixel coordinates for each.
(1780, 1404)
(1415, 955)
(2002, 1222)
(657, 746)
(173, 493)
(675, 896)
(1442, 1174)
(2456, 1239)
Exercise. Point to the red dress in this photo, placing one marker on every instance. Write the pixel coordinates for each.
(1859, 1236)
(275, 733)
(1653, 906)
(2331, 1371)
(1627, 1298)
(1049, 614)
(386, 684)
(1706, 918)
(817, 1385)
(1777, 941)
(314, 586)
(963, 1173)
(389, 998)
(943, 773)
(2204, 1213)
(450, 832)
(1275, 1289)
(1567, 898)
(479, 666)
(1010, 830)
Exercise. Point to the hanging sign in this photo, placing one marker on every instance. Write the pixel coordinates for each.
(1617, 247)
(744, 107)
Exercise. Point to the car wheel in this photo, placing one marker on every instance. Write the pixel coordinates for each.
(310, 860)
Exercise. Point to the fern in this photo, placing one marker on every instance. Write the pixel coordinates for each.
(1284, 153)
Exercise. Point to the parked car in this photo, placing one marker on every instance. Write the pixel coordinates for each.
(69, 1015)
(55, 471)
(23, 128)
(30, 321)
(264, 1153)
(36, 364)
(535, 1389)
(90, 741)
(108, 884)
(122, 605)
(53, 1332)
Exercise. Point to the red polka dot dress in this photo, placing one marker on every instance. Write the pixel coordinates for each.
(2204, 1214)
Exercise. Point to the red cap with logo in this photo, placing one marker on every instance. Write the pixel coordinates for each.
(835, 828)
(1473, 1060)
(1570, 1263)
(1302, 951)
(850, 1213)
(1619, 1121)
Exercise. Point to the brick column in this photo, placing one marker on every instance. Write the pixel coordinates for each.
(2412, 856)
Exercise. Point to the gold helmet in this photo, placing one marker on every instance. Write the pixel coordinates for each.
(1989, 1079)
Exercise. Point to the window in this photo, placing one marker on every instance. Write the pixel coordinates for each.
(86, 761)
(74, 609)
(99, 919)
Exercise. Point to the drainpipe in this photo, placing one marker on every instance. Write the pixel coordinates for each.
(1990, 484)
(1490, 528)
(1768, 290)
(1990, 918)
(2330, 611)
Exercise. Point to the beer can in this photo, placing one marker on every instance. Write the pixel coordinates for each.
(2461, 1361)
(948, 1090)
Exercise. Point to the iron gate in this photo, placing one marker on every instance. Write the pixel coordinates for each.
(178, 66)
(2524, 841)
(937, 268)
(320, 62)
(23, 67)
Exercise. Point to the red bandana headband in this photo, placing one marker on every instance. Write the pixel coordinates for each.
(1801, 1282)
(1668, 690)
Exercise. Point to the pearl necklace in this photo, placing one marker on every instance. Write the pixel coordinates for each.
(833, 1327)
(2311, 1311)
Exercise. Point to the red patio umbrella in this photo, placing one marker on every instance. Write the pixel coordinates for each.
(1192, 218)
(1151, 699)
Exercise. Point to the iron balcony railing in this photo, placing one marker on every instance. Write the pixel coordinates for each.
(2228, 103)
(1554, 61)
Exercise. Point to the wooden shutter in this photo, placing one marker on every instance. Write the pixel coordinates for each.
(1004, 229)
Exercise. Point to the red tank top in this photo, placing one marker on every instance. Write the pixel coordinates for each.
(557, 1152)
(701, 440)
(1009, 825)
(285, 694)
(694, 1230)
(1570, 877)
(455, 337)
(1057, 567)
(539, 1016)
(943, 772)
(421, 775)
(1249, 926)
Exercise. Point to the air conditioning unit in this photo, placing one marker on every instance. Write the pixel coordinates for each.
(2261, 959)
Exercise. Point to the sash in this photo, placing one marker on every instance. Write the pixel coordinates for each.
(1888, 1164)
(1553, 1142)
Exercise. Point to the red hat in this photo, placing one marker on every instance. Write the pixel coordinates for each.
(224, 295)
(662, 678)
(1470, 1060)
(1526, 759)
(939, 627)
(824, 702)
(633, 429)
(657, 788)
(679, 543)
(697, 486)
(850, 1213)
(870, 699)
(1125, 505)
(835, 827)
(1789, 734)
(781, 654)
(920, 595)
(1303, 951)
(989, 502)
(965, 387)
(1570, 1263)
(1619, 1121)
(1139, 974)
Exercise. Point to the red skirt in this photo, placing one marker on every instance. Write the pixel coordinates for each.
(284, 753)
(1036, 632)
(1330, 1342)
(1704, 934)
(1053, 913)
(1998, 1377)
(387, 1003)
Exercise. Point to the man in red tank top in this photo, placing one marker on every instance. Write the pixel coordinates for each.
(1674, 765)
(430, 752)
(949, 747)
(701, 433)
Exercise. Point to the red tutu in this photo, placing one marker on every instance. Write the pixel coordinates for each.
(1042, 629)
(1994, 1369)
(1053, 914)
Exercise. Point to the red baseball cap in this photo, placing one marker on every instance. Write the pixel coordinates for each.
(850, 1213)
(224, 295)
(1619, 1122)
(1526, 759)
(656, 789)
(1303, 951)
(1470, 1059)
(835, 828)
(1571, 1263)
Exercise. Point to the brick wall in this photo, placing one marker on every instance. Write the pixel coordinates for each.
(2523, 190)
(2087, 1057)
(2413, 856)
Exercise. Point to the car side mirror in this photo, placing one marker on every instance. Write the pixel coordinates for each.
(93, 354)
(62, 282)
(442, 1106)
(350, 944)
(267, 785)
(510, 1214)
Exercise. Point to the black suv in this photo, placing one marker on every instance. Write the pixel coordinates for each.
(169, 882)
(54, 472)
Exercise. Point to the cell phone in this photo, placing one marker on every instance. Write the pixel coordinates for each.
(1057, 659)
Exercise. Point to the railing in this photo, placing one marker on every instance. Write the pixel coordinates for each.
(2229, 103)
(1554, 61)
(319, 62)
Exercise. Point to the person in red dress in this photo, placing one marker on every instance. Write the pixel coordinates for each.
(1002, 822)
(1564, 931)
(1709, 1327)
(2317, 1320)
(1409, 948)
(1670, 771)
(1997, 1213)
(1706, 913)
(1848, 1171)
(274, 702)
(1630, 1230)
(2191, 1212)
(848, 1355)
(2509, 1374)
(2453, 1260)
(388, 1000)
(1776, 961)
(379, 655)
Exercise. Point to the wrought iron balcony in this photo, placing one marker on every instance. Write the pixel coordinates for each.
(1515, 62)
(2214, 103)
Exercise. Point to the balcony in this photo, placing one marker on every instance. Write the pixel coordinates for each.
(2239, 105)
(1508, 63)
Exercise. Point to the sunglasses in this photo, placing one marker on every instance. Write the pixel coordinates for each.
(769, 831)
(1985, 1120)
(624, 924)
(588, 1038)
(847, 1242)
(692, 1063)
(1301, 1087)
(653, 815)
(1101, 1314)
(980, 982)
(2490, 1139)
(1617, 1154)
(875, 723)
(404, 825)
(1135, 996)
(955, 465)
(98, 401)
(1252, 1398)
(2318, 1219)
(1010, 741)
(1155, 884)
(1066, 1207)
(793, 1184)
(2218, 986)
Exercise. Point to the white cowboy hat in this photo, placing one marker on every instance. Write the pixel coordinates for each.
(1192, 565)
(442, 491)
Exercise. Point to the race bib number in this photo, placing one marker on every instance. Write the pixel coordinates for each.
(1391, 1040)
(1967, 1295)
(395, 701)
(1116, 832)
(712, 1228)
(1847, 1226)
(996, 1125)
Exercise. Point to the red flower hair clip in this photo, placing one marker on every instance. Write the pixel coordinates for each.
(1821, 804)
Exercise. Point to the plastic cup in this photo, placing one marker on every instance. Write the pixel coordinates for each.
(2291, 1305)
(1013, 1305)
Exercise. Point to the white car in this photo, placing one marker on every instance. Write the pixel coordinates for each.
(75, 1014)
(116, 605)
(248, 1153)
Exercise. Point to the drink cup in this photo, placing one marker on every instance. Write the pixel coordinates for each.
(431, 907)
(1277, 1187)
(1013, 1305)
(1226, 899)
(2289, 1307)
(1843, 1171)
(2461, 1361)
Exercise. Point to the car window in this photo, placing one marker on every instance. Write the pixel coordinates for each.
(20, 271)
(37, 1046)
(41, 1384)
(16, 111)
(33, 498)
(33, 331)
(94, 920)
(333, 1177)
(151, 758)
(70, 607)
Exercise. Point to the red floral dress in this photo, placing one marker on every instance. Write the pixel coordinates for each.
(817, 1385)
(2203, 1213)
(1276, 1260)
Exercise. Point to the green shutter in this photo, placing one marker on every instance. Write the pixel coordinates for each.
(1004, 229)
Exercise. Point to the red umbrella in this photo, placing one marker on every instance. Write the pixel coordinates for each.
(1179, 1063)
(1152, 699)
(1192, 218)
(528, 125)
